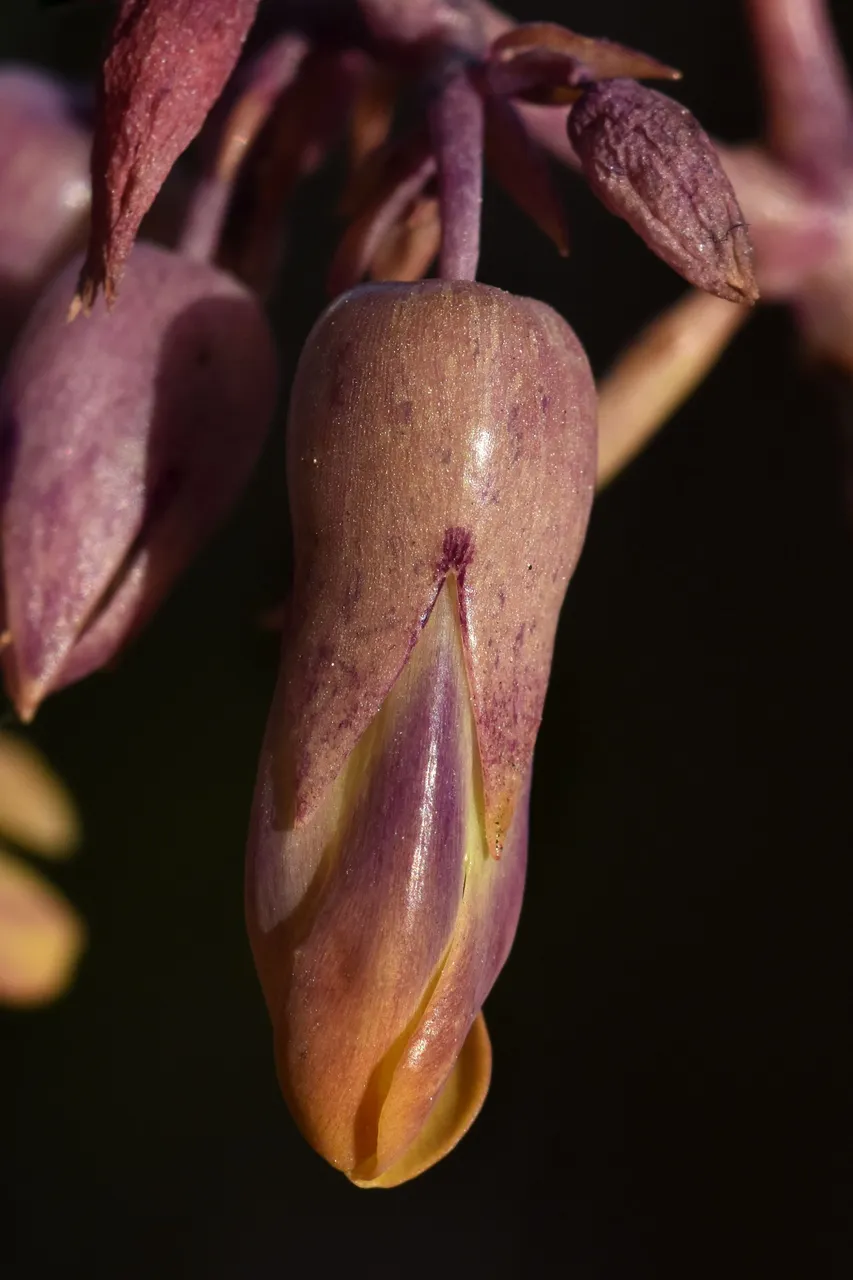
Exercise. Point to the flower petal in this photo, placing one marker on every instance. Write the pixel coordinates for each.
(650, 162)
(352, 915)
(484, 933)
(452, 1114)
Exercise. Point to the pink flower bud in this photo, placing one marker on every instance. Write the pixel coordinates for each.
(125, 439)
(441, 468)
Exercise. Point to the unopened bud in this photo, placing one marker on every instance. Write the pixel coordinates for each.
(441, 466)
(125, 438)
(651, 162)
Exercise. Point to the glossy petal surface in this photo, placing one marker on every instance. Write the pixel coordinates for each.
(380, 926)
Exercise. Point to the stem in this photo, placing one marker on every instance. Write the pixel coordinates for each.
(456, 124)
(261, 84)
(205, 218)
(809, 100)
(659, 371)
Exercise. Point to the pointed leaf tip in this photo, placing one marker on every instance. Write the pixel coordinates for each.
(167, 64)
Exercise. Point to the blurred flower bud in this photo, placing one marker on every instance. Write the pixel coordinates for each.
(441, 469)
(41, 936)
(44, 189)
(650, 162)
(125, 439)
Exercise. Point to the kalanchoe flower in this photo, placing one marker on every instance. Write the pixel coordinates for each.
(649, 160)
(124, 441)
(441, 462)
(44, 189)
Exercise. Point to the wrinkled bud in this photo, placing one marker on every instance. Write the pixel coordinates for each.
(125, 438)
(168, 63)
(650, 162)
(44, 189)
(441, 468)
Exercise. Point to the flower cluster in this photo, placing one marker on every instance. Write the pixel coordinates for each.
(443, 453)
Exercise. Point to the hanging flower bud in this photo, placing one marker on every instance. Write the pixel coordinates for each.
(125, 439)
(441, 467)
(44, 189)
(650, 162)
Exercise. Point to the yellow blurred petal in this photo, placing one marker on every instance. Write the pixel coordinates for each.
(658, 372)
(41, 937)
(36, 810)
(457, 1107)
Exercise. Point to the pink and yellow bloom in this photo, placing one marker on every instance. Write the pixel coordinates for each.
(441, 469)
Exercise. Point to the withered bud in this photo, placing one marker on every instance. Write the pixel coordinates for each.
(651, 162)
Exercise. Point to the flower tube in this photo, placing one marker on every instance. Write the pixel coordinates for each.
(441, 467)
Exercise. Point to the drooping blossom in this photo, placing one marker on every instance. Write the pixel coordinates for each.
(125, 440)
(441, 463)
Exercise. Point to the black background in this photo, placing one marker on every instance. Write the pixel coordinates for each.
(672, 1034)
